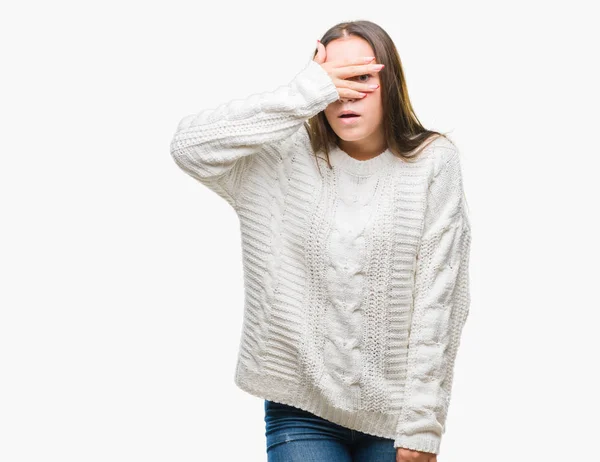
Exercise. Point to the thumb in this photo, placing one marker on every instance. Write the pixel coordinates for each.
(321, 53)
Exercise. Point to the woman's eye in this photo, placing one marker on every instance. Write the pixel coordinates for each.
(360, 77)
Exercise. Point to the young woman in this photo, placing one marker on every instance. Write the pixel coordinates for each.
(356, 244)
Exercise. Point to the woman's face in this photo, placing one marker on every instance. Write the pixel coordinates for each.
(367, 129)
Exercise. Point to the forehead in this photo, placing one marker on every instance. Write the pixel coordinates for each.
(348, 47)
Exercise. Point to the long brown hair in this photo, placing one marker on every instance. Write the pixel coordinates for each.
(403, 130)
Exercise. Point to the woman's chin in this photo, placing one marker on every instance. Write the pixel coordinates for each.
(348, 134)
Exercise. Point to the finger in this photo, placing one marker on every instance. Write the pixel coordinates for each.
(352, 61)
(321, 53)
(346, 93)
(351, 71)
(355, 86)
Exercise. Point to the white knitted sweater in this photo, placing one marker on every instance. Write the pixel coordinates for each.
(356, 278)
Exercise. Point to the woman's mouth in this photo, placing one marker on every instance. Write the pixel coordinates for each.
(347, 119)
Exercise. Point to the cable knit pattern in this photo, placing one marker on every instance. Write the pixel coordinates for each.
(356, 278)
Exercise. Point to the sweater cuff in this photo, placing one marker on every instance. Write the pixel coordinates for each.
(317, 85)
(424, 442)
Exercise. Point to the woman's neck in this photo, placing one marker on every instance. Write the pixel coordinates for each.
(364, 149)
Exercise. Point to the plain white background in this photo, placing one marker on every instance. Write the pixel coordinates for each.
(122, 291)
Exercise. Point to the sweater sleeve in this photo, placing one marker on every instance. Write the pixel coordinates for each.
(216, 146)
(440, 309)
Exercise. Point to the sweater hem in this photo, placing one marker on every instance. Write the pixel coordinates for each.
(424, 443)
(285, 391)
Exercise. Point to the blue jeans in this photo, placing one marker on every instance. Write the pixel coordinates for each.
(295, 435)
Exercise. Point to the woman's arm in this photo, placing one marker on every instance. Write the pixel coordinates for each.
(217, 145)
(441, 306)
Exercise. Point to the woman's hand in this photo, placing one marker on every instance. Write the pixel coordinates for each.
(408, 455)
(339, 71)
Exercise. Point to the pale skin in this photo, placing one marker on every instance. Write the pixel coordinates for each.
(345, 59)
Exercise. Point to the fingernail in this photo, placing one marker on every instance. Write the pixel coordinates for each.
(369, 59)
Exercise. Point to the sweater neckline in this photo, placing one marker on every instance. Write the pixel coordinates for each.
(344, 161)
